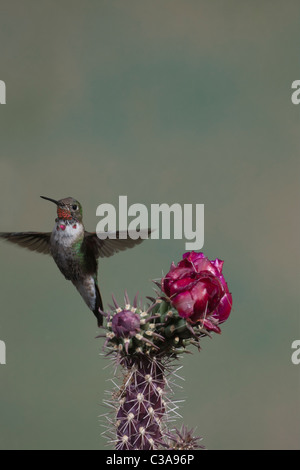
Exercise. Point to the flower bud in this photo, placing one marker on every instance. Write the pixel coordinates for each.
(198, 291)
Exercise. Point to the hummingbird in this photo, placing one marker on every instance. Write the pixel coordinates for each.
(74, 250)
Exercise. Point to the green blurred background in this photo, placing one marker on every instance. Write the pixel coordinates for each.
(162, 101)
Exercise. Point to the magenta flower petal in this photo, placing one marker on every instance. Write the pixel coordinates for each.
(184, 304)
(210, 326)
(218, 263)
(223, 310)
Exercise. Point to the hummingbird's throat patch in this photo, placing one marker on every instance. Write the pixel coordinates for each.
(64, 214)
(63, 227)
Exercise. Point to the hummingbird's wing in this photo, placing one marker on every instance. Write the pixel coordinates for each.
(34, 241)
(110, 246)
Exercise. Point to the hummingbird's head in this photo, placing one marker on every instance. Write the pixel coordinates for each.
(67, 209)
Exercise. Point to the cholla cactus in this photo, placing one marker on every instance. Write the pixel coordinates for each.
(146, 342)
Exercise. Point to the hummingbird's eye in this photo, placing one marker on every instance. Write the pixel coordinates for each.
(74, 207)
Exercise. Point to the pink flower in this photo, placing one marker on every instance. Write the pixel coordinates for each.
(197, 289)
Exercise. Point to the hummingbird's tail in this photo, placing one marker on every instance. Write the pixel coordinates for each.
(98, 305)
(89, 291)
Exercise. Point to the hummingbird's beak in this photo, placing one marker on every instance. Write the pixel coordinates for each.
(49, 199)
